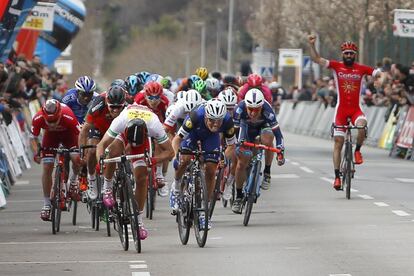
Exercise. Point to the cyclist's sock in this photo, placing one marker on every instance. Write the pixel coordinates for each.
(337, 175)
(159, 171)
(239, 193)
(107, 183)
(267, 169)
(91, 177)
(358, 147)
(175, 185)
(46, 200)
(140, 222)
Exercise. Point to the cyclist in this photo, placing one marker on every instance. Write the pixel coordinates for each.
(253, 117)
(255, 81)
(213, 86)
(231, 80)
(78, 98)
(348, 77)
(104, 109)
(203, 124)
(201, 87)
(133, 126)
(202, 72)
(132, 85)
(60, 127)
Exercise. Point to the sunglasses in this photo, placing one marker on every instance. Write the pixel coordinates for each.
(215, 121)
(153, 98)
(254, 109)
(115, 106)
(349, 53)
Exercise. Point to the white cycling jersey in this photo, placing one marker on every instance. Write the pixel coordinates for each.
(176, 112)
(134, 111)
(170, 96)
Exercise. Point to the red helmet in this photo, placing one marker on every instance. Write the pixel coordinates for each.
(254, 80)
(52, 111)
(349, 46)
(153, 88)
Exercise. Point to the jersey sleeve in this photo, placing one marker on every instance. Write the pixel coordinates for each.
(238, 114)
(36, 125)
(97, 105)
(156, 130)
(229, 132)
(189, 123)
(332, 64)
(271, 121)
(118, 124)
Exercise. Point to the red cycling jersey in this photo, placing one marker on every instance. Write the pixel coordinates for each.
(160, 110)
(265, 90)
(98, 115)
(348, 80)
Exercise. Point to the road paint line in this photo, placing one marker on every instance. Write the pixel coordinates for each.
(306, 169)
(25, 201)
(340, 275)
(22, 182)
(135, 261)
(284, 175)
(55, 242)
(405, 180)
(215, 238)
(294, 163)
(365, 196)
(354, 190)
(401, 213)
(138, 266)
(381, 204)
(61, 262)
(327, 179)
(141, 274)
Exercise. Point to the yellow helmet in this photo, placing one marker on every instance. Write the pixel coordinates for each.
(202, 72)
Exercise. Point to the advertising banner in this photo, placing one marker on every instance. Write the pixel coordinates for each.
(406, 136)
(40, 17)
(403, 23)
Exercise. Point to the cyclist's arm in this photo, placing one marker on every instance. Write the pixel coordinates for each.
(34, 143)
(176, 143)
(167, 152)
(103, 144)
(83, 136)
(314, 54)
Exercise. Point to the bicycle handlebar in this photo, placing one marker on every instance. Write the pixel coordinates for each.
(60, 150)
(123, 158)
(260, 146)
(197, 152)
(349, 127)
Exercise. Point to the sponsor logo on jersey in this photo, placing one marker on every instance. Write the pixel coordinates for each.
(188, 124)
(139, 114)
(349, 76)
(230, 131)
(97, 107)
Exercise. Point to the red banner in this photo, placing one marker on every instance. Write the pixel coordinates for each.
(26, 42)
(406, 136)
(3, 6)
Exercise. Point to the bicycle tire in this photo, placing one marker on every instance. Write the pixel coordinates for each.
(200, 205)
(183, 214)
(93, 214)
(151, 195)
(254, 176)
(132, 209)
(225, 176)
(120, 223)
(55, 202)
(216, 192)
(98, 214)
(74, 211)
(107, 219)
(348, 170)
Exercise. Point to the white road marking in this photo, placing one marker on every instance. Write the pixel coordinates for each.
(354, 190)
(294, 163)
(381, 204)
(141, 274)
(340, 275)
(62, 262)
(306, 169)
(327, 179)
(54, 242)
(405, 180)
(22, 182)
(215, 238)
(365, 196)
(285, 175)
(401, 213)
(138, 266)
(136, 261)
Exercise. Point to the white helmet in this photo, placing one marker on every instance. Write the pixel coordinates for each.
(254, 98)
(215, 109)
(191, 99)
(213, 84)
(179, 95)
(228, 97)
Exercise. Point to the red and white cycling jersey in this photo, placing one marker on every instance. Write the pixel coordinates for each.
(159, 110)
(348, 80)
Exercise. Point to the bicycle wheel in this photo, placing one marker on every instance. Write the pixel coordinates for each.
(183, 213)
(121, 222)
(251, 194)
(132, 210)
(200, 208)
(93, 213)
(55, 208)
(98, 214)
(74, 211)
(216, 192)
(107, 218)
(348, 169)
(150, 205)
(225, 176)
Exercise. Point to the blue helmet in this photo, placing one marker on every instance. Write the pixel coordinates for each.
(132, 85)
(142, 76)
(154, 77)
(192, 79)
(119, 82)
(85, 85)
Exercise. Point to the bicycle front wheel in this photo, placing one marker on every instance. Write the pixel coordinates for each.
(55, 208)
(200, 209)
(184, 213)
(120, 222)
(348, 170)
(132, 210)
(251, 193)
(216, 191)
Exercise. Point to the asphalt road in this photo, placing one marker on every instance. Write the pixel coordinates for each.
(301, 226)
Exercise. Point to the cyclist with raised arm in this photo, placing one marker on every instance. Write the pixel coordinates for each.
(133, 126)
(60, 127)
(104, 109)
(348, 76)
(203, 125)
(79, 98)
(255, 117)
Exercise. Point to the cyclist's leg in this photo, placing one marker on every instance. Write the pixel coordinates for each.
(48, 159)
(359, 120)
(339, 137)
(94, 138)
(115, 149)
(210, 143)
(267, 138)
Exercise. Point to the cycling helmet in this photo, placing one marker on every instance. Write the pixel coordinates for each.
(215, 109)
(213, 84)
(154, 77)
(131, 84)
(191, 99)
(254, 98)
(230, 80)
(52, 111)
(349, 46)
(153, 89)
(85, 85)
(142, 76)
(166, 83)
(192, 79)
(228, 97)
(200, 86)
(136, 132)
(254, 80)
(202, 72)
(119, 82)
(116, 95)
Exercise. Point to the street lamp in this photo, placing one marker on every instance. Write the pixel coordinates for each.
(219, 10)
(230, 35)
(203, 42)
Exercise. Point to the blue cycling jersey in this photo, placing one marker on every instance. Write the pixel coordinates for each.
(252, 128)
(71, 100)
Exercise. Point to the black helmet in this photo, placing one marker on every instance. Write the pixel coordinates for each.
(120, 82)
(116, 95)
(136, 132)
